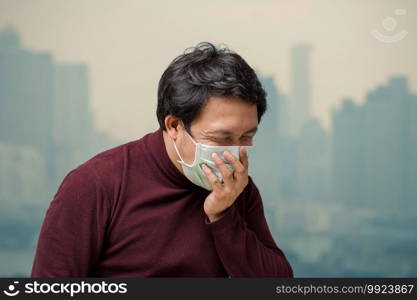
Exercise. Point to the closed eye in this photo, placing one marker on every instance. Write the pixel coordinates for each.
(229, 140)
(221, 141)
(247, 137)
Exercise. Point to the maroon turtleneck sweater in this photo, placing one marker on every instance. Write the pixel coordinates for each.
(129, 212)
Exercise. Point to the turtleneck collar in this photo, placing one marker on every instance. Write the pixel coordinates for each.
(164, 163)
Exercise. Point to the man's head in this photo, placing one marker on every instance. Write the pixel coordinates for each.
(214, 95)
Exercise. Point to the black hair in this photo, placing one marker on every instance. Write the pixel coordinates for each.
(193, 77)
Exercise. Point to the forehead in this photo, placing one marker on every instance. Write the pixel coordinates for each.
(228, 115)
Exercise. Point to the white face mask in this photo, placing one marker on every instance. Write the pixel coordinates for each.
(202, 154)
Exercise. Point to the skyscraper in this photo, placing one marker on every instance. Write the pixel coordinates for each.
(26, 96)
(375, 150)
(390, 125)
(73, 118)
(266, 141)
(299, 105)
(348, 173)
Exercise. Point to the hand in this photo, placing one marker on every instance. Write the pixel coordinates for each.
(224, 194)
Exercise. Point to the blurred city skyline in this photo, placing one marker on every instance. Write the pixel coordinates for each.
(128, 44)
(335, 158)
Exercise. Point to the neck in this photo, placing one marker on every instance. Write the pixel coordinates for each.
(173, 156)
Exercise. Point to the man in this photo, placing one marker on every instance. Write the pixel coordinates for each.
(178, 202)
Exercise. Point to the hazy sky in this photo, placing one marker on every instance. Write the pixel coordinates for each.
(128, 44)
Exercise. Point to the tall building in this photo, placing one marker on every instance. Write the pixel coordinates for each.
(73, 118)
(266, 142)
(300, 88)
(312, 164)
(390, 146)
(266, 152)
(46, 105)
(23, 179)
(26, 96)
(374, 153)
(348, 174)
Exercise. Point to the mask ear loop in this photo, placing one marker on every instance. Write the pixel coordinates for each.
(182, 161)
(186, 131)
(178, 153)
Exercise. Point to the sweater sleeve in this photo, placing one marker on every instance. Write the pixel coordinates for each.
(72, 232)
(245, 245)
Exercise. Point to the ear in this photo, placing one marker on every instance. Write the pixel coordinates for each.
(172, 124)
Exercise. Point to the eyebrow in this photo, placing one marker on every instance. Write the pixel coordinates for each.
(227, 132)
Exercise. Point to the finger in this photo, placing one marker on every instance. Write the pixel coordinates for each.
(210, 175)
(237, 165)
(226, 173)
(244, 156)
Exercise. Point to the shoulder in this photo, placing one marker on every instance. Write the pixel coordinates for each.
(103, 172)
(109, 160)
